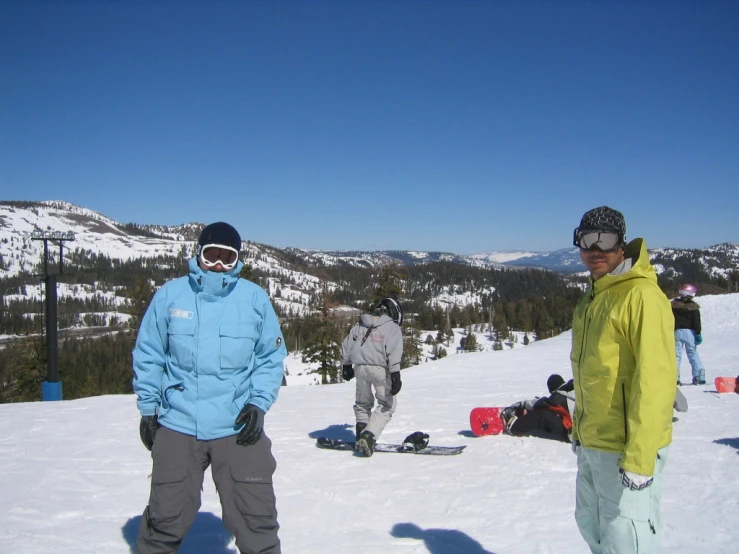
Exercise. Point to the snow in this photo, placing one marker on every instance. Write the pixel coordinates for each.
(450, 297)
(301, 373)
(75, 477)
(93, 231)
(502, 257)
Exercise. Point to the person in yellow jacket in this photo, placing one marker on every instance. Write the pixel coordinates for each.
(623, 363)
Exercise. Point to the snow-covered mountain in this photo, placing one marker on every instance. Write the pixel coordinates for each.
(565, 260)
(717, 260)
(293, 290)
(92, 231)
(98, 234)
(382, 257)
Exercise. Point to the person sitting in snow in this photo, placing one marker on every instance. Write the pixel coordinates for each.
(549, 417)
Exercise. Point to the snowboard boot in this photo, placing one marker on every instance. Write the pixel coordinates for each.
(359, 428)
(700, 380)
(358, 431)
(508, 415)
(366, 443)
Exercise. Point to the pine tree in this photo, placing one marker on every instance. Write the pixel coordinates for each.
(389, 284)
(501, 327)
(246, 272)
(139, 298)
(468, 343)
(412, 349)
(324, 345)
(491, 326)
(22, 371)
(438, 352)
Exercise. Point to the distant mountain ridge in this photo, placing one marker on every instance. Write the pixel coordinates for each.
(382, 257)
(107, 256)
(717, 260)
(100, 234)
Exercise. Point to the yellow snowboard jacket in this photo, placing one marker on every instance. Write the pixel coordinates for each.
(623, 362)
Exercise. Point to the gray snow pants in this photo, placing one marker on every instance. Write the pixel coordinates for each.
(369, 376)
(243, 478)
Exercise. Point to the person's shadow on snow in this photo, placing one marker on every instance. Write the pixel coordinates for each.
(439, 541)
(728, 442)
(206, 536)
(340, 431)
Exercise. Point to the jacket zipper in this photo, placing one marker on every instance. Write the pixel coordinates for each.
(586, 326)
(626, 428)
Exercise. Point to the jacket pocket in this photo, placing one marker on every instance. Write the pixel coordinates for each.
(237, 345)
(170, 389)
(181, 335)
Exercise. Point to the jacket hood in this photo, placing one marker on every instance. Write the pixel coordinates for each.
(212, 282)
(635, 266)
(369, 320)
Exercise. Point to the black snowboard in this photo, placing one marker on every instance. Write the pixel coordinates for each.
(336, 444)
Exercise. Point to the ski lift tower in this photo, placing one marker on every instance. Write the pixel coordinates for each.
(51, 389)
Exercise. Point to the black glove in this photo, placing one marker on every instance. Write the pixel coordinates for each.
(395, 383)
(253, 420)
(347, 372)
(148, 430)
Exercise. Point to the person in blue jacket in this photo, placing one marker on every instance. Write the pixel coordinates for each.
(208, 364)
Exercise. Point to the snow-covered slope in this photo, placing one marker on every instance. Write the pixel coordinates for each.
(75, 478)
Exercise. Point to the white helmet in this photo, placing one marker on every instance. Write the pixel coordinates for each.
(688, 291)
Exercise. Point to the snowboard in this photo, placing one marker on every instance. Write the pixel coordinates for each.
(725, 384)
(337, 444)
(486, 421)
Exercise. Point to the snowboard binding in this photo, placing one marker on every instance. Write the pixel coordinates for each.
(417, 440)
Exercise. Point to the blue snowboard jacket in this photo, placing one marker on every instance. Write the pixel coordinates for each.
(209, 343)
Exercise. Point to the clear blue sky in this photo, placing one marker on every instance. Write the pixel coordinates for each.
(462, 126)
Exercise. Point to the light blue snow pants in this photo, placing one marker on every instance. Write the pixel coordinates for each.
(686, 338)
(613, 519)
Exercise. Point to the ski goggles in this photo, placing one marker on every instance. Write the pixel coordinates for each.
(214, 254)
(605, 241)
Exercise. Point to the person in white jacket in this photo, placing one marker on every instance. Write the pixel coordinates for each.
(372, 352)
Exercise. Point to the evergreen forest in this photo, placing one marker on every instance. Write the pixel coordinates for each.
(536, 302)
